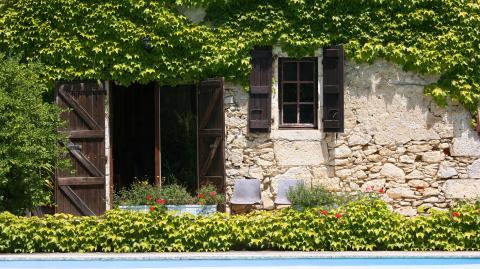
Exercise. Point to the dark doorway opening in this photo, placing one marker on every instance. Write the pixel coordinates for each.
(178, 120)
(133, 129)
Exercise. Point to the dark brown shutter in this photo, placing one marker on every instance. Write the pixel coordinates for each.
(82, 193)
(333, 110)
(260, 102)
(211, 134)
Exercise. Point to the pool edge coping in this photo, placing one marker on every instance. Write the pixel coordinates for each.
(234, 255)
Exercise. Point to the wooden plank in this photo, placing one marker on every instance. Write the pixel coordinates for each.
(82, 113)
(208, 112)
(158, 142)
(211, 132)
(77, 134)
(211, 156)
(85, 162)
(65, 181)
(77, 201)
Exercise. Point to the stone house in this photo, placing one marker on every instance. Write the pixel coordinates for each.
(322, 118)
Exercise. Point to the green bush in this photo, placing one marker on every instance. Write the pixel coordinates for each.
(175, 194)
(29, 139)
(366, 224)
(139, 193)
(303, 196)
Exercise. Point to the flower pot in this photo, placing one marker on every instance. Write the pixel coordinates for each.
(135, 208)
(193, 209)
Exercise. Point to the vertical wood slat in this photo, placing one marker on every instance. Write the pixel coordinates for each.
(158, 151)
(211, 134)
(260, 101)
(333, 90)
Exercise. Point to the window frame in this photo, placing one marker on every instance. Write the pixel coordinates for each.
(298, 82)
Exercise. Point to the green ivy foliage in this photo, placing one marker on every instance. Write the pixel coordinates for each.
(28, 137)
(103, 39)
(367, 224)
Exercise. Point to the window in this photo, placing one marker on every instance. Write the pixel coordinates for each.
(298, 92)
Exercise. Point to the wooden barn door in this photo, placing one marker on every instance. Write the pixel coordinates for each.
(211, 134)
(83, 192)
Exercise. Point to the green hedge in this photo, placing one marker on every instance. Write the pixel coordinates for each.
(367, 224)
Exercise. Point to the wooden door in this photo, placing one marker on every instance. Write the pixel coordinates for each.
(211, 134)
(83, 192)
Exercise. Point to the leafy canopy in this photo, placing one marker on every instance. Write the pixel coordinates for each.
(103, 39)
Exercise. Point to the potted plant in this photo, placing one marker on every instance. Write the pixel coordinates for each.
(178, 200)
(142, 197)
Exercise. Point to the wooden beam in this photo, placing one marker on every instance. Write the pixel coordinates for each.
(211, 155)
(158, 141)
(77, 201)
(208, 112)
(70, 181)
(85, 162)
(82, 113)
(85, 134)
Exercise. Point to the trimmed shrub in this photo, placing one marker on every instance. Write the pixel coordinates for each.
(29, 139)
(366, 224)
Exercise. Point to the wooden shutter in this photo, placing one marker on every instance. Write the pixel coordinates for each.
(333, 110)
(211, 134)
(260, 102)
(82, 193)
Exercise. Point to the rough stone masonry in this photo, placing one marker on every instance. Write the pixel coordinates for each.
(395, 138)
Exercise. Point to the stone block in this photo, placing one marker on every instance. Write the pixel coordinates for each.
(331, 184)
(407, 211)
(418, 183)
(473, 169)
(462, 188)
(400, 192)
(445, 170)
(392, 171)
(359, 139)
(433, 157)
(342, 152)
(300, 152)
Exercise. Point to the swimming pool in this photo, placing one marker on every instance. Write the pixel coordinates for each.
(283, 263)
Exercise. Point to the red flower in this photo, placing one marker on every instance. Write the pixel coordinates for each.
(152, 208)
(201, 195)
(324, 212)
(338, 215)
(455, 214)
(382, 190)
(213, 193)
(161, 201)
(149, 197)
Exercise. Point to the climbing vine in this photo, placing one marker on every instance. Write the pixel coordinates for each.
(103, 39)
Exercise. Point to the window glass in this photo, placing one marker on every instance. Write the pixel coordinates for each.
(290, 92)
(290, 114)
(306, 92)
(306, 114)
(290, 71)
(307, 71)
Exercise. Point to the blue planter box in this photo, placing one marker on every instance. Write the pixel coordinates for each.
(178, 209)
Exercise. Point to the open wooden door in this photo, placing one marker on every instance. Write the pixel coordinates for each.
(211, 134)
(82, 193)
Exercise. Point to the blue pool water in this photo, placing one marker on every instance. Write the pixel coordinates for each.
(322, 263)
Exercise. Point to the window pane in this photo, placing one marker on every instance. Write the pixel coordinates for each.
(290, 114)
(289, 71)
(306, 114)
(289, 92)
(306, 71)
(306, 92)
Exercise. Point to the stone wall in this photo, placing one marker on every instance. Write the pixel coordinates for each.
(395, 138)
